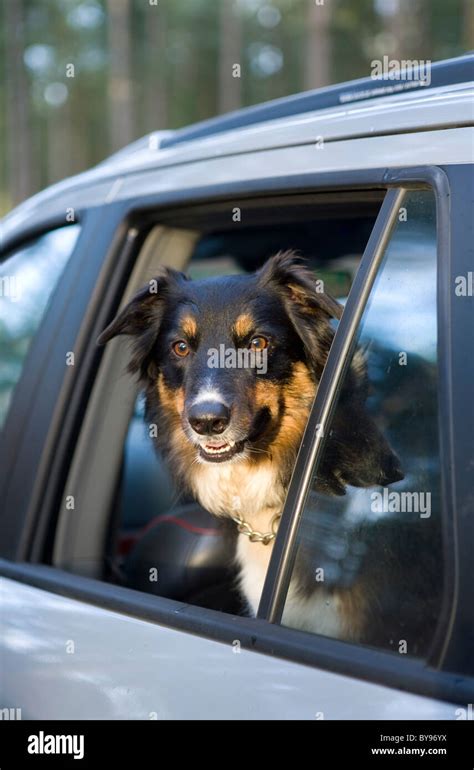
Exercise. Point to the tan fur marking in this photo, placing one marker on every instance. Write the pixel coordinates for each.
(244, 325)
(299, 395)
(352, 604)
(172, 399)
(189, 326)
(267, 394)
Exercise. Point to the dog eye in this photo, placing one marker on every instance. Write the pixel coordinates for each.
(259, 343)
(181, 348)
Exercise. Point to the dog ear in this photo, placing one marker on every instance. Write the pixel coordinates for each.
(141, 318)
(134, 318)
(309, 309)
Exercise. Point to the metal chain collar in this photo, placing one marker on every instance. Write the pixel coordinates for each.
(253, 535)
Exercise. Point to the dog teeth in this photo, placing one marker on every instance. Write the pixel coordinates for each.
(218, 450)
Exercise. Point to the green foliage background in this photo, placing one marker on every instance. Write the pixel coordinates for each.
(176, 71)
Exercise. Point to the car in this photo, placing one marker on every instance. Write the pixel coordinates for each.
(119, 599)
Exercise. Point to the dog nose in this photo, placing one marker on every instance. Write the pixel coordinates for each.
(209, 417)
(391, 471)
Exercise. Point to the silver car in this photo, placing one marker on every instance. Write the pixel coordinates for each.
(118, 595)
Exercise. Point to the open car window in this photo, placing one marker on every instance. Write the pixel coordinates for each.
(130, 523)
(169, 544)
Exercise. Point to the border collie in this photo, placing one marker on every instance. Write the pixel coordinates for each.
(230, 425)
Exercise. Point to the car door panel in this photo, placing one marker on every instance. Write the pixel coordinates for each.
(67, 659)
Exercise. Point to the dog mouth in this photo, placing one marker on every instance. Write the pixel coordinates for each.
(220, 451)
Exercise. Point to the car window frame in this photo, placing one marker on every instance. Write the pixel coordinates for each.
(296, 645)
(42, 394)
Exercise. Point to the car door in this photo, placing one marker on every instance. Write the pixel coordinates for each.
(107, 651)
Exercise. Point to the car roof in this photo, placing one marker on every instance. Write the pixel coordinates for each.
(366, 98)
(359, 109)
(416, 76)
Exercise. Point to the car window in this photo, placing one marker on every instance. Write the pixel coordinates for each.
(28, 278)
(367, 563)
(131, 523)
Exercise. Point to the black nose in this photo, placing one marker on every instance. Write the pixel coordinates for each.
(391, 471)
(209, 417)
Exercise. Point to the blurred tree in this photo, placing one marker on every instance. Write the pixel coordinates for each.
(142, 65)
(468, 24)
(155, 68)
(19, 139)
(403, 28)
(230, 56)
(393, 42)
(318, 45)
(119, 80)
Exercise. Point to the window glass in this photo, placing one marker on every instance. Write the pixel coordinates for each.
(367, 563)
(28, 278)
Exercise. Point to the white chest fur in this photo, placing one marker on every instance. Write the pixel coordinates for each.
(256, 495)
(318, 613)
(253, 560)
(232, 487)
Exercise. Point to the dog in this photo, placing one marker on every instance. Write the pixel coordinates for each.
(231, 434)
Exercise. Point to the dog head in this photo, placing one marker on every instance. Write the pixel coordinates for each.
(230, 367)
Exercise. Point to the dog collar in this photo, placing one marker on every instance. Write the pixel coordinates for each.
(253, 535)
